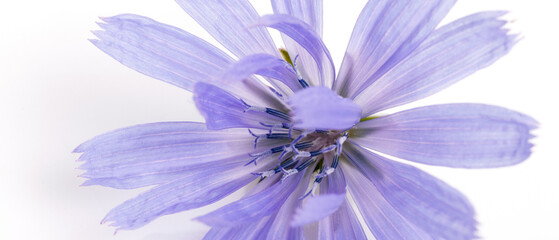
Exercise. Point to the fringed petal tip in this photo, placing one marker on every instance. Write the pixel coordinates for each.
(452, 135)
(317, 208)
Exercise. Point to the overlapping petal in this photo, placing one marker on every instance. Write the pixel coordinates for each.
(231, 23)
(332, 196)
(420, 198)
(280, 227)
(223, 110)
(195, 190)
(453, 135)
(254, 207)
(386, 32)
(264, 65)
(451, 53)
(311, 13)
(308, 39)
(383, 220)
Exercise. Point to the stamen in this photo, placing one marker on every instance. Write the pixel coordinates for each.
(271, 111)
(302, 81)
(323, 150)
(290, 172)
(260, 155)
(276, 92)
(313, 188)
(268, 136)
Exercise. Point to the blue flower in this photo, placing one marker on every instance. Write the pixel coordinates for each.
(306, 136)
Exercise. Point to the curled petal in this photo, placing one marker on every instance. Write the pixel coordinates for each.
(303, 34)
(264, 65)
(311, 13)
(316, 208)
(320, 108)
(223, 110)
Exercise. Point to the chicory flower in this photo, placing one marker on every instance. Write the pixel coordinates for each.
(306, 135)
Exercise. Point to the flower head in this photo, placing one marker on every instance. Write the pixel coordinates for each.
(308, 137)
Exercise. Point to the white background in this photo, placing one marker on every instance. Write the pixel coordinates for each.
(57, 90)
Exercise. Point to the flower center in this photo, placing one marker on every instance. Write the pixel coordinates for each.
(319, 148)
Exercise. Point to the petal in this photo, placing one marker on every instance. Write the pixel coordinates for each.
(308, 11)
(316, 208)
(196, 190)
(448, 55)
(254, 207)
(453, 135)
(223, 110)
(332, 196)
(160, 51)
(311, 13)
(228, 22)
(342, 224)
(265, 65)
(422, 199)
(320, 108)
(250, 230)
(385, 33)
(383, 220)
(281, 226)
(156, 153)
(305, 36)
(171, 55)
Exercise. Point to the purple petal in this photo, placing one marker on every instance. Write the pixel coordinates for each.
(342, 224)
(422, 199)
(223, 110)
(171, 55)
(385, 33)
(317, 208)
(254, 207)
(160, 51)
(383, 220)
(156, 153)
(320, 108)
(311, 13)
(264, 65)
(280, 228)
(250, 230)
(453, 135)
(448, 55)
(308, 11)
(305, 36)
(193, 191)
(228, 22)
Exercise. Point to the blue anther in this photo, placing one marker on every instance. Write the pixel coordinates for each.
(303, 83)
(276, 92)
(324, 150)
(305, 164)
(256, 137)
(277, 136)
(278, 113)
(335, 161)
